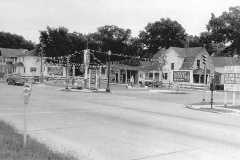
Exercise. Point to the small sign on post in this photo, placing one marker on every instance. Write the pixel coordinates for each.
(27, 89)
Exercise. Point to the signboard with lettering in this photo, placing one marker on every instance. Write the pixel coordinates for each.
(94, 76)
(56, 70)
(181, 76)
(232, 78)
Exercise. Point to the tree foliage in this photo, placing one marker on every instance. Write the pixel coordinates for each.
(55, 41)
(225, 29)
(163, 33)
(14, 41)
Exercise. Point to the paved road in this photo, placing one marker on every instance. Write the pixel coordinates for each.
(117, 126)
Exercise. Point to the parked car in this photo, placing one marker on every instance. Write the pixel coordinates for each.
(156, 83)
(16, 79)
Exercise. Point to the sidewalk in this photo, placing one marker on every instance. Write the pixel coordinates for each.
(216, 108)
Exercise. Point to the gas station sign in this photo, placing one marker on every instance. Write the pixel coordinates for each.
(232, 78)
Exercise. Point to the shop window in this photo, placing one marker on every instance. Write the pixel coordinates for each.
(165, 76)
(172, 66)
(150, 75)
(33, 69)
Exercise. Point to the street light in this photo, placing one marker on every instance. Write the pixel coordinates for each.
(108, 86)
(41, 71)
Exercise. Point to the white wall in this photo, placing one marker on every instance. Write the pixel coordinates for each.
(29, 61)
(172, 57)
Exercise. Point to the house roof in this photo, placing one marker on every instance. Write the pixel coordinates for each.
(159, 53)
(7, 52)
(225, 61)
(187, 63)
(29, 53)
(187, 52)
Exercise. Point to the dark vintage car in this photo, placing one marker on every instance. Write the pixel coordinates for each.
(16, 79)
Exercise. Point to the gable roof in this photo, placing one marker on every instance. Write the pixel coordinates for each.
(187, 52)
(187, 63)
(159, 53)
(7, 52)
(29, 53)
(225, 61)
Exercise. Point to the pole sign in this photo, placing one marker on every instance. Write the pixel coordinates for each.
(232, 78)
(93, 76)
(86, 57)
(181, 76)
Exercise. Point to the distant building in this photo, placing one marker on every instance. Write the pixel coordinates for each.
(8, 57)
(220, 63)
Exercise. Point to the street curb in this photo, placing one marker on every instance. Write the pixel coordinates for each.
(190, 107)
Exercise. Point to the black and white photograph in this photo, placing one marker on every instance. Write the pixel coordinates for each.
(119, 80)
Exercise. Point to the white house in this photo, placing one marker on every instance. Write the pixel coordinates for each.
(186, 59)
(28, 64)
(8, 57)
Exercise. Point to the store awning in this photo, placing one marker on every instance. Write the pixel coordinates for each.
(18, 64)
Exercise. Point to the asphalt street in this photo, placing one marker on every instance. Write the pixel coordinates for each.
(125, 125)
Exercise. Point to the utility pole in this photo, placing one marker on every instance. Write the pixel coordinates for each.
(205, 71)
(67, 72)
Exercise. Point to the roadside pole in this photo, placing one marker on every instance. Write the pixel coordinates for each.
(212, 88)
(205, 70)
(225, 98)
(90, 72)
(25, 126)
(27, 88)
(204, 85)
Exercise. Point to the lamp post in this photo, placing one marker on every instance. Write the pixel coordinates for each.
(108, 86)
(41, 71)
(86, 66)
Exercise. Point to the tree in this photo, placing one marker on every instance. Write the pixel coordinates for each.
(14, 41)
(163, 33)
(194, 41)
(114, 38)
(225, 29)
(55, 42)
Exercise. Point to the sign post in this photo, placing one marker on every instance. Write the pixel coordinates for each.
(86, 63)
(27, 88)
(205, 72)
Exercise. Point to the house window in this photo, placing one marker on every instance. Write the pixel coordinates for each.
(164, 76)
(33, 69)
(150, 75)
(198, 63)
(172, 66)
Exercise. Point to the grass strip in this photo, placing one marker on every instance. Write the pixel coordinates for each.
(11, 147)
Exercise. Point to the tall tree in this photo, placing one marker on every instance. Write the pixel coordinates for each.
(55, 41)
(194, 41)
(163, 33)
(14, 41)
(225, 29)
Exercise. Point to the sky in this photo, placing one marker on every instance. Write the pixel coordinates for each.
(28, 17)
